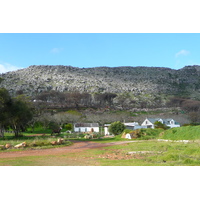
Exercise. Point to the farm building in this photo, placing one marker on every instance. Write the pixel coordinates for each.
(86, 127)
(149, 122)
(130, 125)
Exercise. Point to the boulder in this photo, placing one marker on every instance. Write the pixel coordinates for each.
(88, 136)
(54, 142)
(8, 146)
(123, 135)
(23, 144)
(60, 141)
(128, 136)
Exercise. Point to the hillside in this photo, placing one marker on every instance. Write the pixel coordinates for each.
(182, 133)
(139, 82)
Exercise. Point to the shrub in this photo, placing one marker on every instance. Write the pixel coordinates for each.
(68, 127)
(53, 125)
(81, 135)
(148, 133)
(127, 131)
(160, 125)
(116, 128)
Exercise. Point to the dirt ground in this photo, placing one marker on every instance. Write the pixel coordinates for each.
(78, 146)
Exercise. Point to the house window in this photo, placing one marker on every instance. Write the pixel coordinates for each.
(146, 122)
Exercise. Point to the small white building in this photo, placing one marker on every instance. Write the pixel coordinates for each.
(132, 125)
(86, 127)
(149, 122)
(106, 129)
(129, 125)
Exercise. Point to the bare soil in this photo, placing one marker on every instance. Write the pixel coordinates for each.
(77, 146)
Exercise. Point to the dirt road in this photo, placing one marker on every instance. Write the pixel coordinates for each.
(78, 146)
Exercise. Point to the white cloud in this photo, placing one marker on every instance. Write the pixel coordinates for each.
(6, 67)
(182, 53)
(56, 50)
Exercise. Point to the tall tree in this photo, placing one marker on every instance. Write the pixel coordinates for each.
(5, 103)
(15, 112)
(20, 113)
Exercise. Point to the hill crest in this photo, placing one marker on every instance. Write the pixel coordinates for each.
(139, 80)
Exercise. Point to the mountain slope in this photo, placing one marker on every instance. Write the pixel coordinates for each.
(135, 80)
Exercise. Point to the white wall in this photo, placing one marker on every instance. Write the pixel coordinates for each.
(86, 129)
(106, 131)
(147, 123)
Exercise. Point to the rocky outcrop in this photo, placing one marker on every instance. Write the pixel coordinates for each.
(134, 80)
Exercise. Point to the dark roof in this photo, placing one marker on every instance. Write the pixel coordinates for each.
(86, 125)
(165, 121)
(153, 120)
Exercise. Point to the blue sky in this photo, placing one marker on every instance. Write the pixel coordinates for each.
(173, 50)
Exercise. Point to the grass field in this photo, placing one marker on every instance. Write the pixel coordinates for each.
(157, 154)
(33, 142)
(183, 133)
(144, 152)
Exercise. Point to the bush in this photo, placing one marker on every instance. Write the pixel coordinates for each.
(116, 128)
(53, 125)
(81, 135)
(146, 134)
(127, 131)
(191, 124)
(68, 127)
(160, 125)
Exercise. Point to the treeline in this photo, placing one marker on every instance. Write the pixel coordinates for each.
(76, 99)
(55, 109)
(112, 101)
(20, 112)
(189, 106)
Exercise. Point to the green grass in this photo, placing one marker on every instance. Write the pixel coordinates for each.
(39, 130)
(36, 142)
(182, 133)
(162, 154)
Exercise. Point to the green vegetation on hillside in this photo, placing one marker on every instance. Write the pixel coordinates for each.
(183, 133)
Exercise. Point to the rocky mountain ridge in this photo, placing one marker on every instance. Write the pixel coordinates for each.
(134, 80)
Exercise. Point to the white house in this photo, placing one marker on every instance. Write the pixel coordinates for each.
(86, 127)
(106, 129)
(130, 125)
(149, 122)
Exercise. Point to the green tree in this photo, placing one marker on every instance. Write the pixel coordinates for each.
(14, 112)
(20, 114)
(158, 124)
(5, 102)
(53, 125)
(116, 128)
(68, 127)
